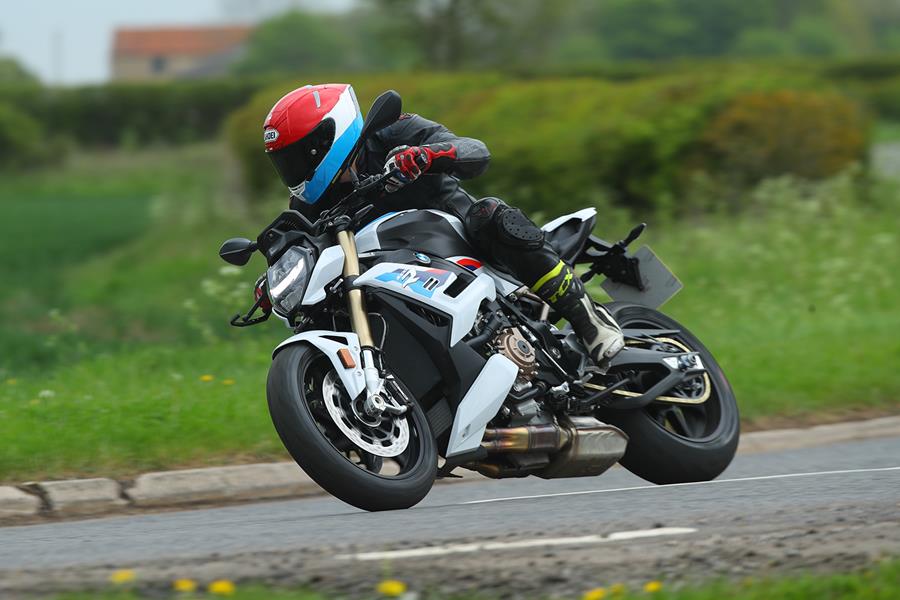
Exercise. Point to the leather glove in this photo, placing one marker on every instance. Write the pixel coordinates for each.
(410, 162)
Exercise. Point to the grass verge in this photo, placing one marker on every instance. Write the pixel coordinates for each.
(882, 582)
(117, 357)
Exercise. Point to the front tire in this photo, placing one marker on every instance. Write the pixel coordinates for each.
(697, 448)
(294, 389)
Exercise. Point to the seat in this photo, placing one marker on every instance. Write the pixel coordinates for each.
(568, 234)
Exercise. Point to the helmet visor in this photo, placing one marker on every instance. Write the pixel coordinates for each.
(297, 162)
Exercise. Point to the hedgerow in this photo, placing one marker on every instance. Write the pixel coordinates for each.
(559, 143)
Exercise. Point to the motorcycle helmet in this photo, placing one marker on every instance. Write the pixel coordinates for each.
(309, 135)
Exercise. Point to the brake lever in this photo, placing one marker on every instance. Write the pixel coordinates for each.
(374, 181)
(347, 204)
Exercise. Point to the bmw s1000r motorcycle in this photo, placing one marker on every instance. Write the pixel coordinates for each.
(407, 348)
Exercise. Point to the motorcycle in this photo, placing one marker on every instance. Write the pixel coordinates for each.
(411, 357)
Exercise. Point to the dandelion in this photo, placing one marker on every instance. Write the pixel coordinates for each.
(595, 594)
(46, 394)
(617, 589)
(221, 587)
(228, 382)
(391, 588)
(206, 378)
(122, 576)
(184, 585)
(651, 587)
(12, 381)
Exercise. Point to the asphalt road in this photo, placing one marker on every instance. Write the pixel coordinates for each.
(827, 508)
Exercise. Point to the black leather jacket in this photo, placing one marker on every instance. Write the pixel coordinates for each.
(432, 190)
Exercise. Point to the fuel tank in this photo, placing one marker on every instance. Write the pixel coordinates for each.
(429, 231)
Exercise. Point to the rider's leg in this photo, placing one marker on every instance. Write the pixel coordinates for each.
(512, 239)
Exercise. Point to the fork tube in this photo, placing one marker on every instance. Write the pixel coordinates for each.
(355, 301)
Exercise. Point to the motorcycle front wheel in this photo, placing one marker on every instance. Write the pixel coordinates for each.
(677, 443)
(372, 462)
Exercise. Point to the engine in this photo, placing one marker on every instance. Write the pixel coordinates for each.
(513, 345)
(529, 439)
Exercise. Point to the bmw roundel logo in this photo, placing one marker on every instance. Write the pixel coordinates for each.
(423, 258)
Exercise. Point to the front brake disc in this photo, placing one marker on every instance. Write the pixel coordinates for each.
(385, 435)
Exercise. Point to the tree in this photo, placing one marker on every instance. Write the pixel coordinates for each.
(11, 71)
(456, 34)
(298, 41)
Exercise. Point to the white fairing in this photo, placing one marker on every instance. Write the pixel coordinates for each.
(328, 268)
(367, 237)
(504, 285)
(353, 379)
(481, 403)
(429, 285)
(582, 215)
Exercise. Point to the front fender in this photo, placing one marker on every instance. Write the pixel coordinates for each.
(330, 342)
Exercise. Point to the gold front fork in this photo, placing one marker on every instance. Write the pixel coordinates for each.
(359, 320)
(356, 302)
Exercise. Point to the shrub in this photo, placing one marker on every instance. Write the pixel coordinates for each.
(882, 97)
(560, 143)
(23, 142)
(105, 115)
(864, 69)
(767, 134)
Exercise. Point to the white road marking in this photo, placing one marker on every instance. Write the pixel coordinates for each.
(671, 485)
(517, 545)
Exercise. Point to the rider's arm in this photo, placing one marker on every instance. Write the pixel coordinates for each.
(458, 156)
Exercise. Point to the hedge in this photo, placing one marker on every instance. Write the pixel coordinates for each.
(23, 142)
(559, 143)
(104, 115)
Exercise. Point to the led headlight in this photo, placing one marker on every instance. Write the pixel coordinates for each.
(288, 278)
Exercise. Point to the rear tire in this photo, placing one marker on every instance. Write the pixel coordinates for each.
(661, 455)
(289, 396)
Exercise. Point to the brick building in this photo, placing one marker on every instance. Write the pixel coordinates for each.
(147, 54)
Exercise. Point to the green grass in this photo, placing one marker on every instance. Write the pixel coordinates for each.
(118, 305)
(881, 582)
(886, 131)
(800, 306)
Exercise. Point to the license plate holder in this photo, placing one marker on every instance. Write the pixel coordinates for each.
(659, 282)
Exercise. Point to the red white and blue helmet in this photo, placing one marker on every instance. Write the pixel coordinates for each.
(309, 135)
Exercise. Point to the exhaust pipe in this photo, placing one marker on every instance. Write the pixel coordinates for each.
(580, 447)
(527, 438)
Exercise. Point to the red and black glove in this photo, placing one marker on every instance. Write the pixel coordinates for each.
(410, 162)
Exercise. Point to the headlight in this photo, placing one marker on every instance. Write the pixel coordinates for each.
(288, 278)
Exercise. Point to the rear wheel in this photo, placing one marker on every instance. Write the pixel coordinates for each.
(677, 442)
(375, 463)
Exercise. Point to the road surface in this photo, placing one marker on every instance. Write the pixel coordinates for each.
(828, 508)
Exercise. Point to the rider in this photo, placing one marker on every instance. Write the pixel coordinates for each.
(310, 134)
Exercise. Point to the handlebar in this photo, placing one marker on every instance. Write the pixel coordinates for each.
(352, 201)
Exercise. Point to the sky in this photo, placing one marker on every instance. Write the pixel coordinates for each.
(69, 41)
